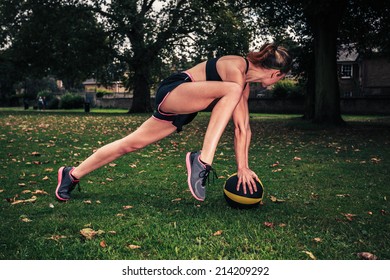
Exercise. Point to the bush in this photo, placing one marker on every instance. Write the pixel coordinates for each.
(287, 89)
(53, 103)
(100, 93)
(71, 101)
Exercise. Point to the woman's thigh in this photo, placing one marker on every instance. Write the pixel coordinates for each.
(196, 96)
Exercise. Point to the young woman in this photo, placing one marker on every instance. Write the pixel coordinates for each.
(179, 98)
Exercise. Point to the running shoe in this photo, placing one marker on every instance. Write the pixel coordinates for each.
(198, 173)
(66, 183)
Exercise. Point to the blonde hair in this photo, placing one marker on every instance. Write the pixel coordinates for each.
(271, 56)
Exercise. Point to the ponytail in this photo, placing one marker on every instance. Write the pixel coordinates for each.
(271, 56)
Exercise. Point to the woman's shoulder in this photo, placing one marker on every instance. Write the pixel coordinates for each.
(233, 63)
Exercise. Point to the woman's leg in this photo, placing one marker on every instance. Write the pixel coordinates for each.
(196, 96)
(149, 132)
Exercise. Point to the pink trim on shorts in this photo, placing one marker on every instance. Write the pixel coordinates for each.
(157, 119)
(159, 105)
(189, 75)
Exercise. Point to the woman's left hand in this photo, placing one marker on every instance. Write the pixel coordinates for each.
(248, 179)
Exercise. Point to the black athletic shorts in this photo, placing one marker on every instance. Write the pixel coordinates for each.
(163, 90)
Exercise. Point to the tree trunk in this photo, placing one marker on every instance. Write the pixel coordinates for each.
(141, 93)
(327, 93)
(324, 18)
(310, 90)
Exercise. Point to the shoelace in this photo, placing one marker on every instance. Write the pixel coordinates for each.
(205, 175)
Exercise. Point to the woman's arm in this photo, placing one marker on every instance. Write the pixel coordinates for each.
(242, 139)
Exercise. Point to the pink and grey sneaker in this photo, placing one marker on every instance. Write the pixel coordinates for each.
(66, 183)
(198, 172)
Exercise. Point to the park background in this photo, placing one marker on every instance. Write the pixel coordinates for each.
(323, 157)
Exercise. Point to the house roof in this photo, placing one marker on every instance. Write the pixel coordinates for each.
(89, 82)
(347, 55)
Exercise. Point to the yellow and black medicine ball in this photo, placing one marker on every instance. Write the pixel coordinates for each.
(237, 199)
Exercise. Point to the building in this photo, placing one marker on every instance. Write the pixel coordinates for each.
(92, 86)
(363, 76)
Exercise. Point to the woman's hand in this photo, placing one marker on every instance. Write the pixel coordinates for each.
(248, 179)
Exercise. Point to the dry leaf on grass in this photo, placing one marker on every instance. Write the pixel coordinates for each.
(367, 256)
(103, 244)
(127, 207)
(133, 247)
(310, 254)
(218, 233)
(56, 237)
(31, 200)
(269, 224)
(349, 216)
(89, 233)
(276, 200)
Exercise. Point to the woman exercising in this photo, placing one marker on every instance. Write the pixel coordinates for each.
(179, 98)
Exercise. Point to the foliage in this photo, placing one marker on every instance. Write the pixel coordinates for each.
(287, 88)
(326, 191)
(53, 37)
(71, 101)
(101, 92)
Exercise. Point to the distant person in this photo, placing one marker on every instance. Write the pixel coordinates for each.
(40, 103)
(179, 98)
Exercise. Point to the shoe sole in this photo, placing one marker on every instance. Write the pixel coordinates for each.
(188, 164)
(59, 183)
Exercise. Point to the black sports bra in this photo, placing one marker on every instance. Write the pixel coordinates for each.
(211, 70)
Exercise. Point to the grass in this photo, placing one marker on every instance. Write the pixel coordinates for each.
(331, 186)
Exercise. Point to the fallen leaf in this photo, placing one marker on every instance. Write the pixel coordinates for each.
(21, 184)
(87, 202)
(26, 220)
(127, 207)
(367, 256)
(276, 200)
(176, 200)
(277, 170)
(349, 216)
(89, 233)
(297, 158)
(310, 254)
(36, 154)
(269, 224)
(109, 179)
(218, 233)
(39, 192)
(132, 247)
(51, 205)
(49, 169)
(112, 164)
(45, 178)
(317, 239)
(343, 195)
(275, 164)
(57, 237)
(32, 200)
(103, 244)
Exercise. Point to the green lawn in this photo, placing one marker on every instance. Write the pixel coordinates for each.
(327, 191)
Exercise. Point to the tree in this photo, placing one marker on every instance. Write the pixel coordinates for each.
(156, 32)
(317, 25)
(53, 37)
